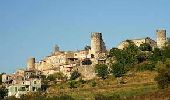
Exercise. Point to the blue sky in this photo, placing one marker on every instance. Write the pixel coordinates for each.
(31, 28)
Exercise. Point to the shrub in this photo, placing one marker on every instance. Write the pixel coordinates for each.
(93, 84)
(3, 92)
(118, 69)
(163, 78)
(72, 84)
(101, 70)
(75, 75)
(146, 66)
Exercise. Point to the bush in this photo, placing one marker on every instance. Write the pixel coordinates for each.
(3, 92)
(163, 78)
(93, 84)
(72, 84)
(101, 70)
(118, 69)
(146, 66)
(75, 75)
(82, 81)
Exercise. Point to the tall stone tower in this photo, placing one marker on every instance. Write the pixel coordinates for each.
(161, 38)
(31, 64)
(97, 44)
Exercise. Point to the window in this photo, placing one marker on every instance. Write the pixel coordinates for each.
(35, 82)
(15, 89)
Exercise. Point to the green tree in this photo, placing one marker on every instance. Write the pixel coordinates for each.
(101, 70)
(118, 69)
(3, 92)
(166, 49)
(163, 77)
(145, 47)
(75, 75)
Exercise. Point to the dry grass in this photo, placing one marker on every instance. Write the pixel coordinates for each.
(136, 84)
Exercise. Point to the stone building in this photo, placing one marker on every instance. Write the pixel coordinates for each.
(161, 38)
(138, 42)
(159, 43)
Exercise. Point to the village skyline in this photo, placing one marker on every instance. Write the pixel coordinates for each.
(32, 28)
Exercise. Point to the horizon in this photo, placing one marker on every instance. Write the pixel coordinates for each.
(32, 28)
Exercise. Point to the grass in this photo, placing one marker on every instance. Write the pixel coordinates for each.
(137, 84)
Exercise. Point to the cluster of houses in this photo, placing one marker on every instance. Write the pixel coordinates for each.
(22, 82)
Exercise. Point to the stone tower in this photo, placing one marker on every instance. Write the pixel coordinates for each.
(161, 38)
(97, 44)
(31, 64)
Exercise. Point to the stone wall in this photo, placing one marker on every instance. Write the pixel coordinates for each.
(161, 38)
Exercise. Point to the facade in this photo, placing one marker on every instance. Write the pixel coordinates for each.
(22, 82)
(24, 87)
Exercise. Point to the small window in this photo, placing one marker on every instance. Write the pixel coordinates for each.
(35, 82)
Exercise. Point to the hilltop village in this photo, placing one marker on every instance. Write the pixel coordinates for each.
(83, 61)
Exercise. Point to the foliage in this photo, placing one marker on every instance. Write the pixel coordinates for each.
(82, 81)
(58, 75)
(127, 56)
(93, 84)
(166, 49)
(145, 47)
(51, 77)
(101, 70)
(75, 75)
(72, 84)
(163, 78)
(157, 55)
(3, 92)
(146, 66)
(118, 69)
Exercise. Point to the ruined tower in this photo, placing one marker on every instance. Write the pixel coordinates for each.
(97, 44)
(161, 38)
(31, 64)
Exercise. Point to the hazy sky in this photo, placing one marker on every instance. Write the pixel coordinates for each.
(31, 28)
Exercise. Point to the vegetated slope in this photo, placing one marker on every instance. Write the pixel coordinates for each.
(135, 84)
(156, 95)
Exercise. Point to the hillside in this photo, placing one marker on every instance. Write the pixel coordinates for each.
(137, 84)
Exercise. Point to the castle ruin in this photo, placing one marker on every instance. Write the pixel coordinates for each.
(97, 44)
(161, 38)
(31, 64)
